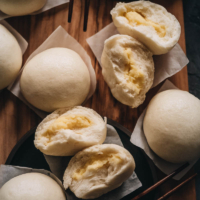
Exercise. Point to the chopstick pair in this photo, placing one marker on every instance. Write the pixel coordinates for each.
(159, 183)
(86, 13)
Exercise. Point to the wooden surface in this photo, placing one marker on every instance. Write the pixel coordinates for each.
(16, 118)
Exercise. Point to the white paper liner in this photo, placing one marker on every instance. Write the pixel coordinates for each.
(59, 38)
(58, 166)
(7, 172)
(138, 138)
(49, 4)
(166, 65)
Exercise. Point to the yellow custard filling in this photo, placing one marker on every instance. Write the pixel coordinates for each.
(133, 75)
(71, 122)
(97, 163)
(137, 19)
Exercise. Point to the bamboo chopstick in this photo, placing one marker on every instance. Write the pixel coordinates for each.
(165, 196)
(161, 182)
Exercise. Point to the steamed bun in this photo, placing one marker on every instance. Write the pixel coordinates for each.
(171, 126)
(10, 57)
(55, 78)
(21, 7)
(149, 23)
(32, 186)
(69, 130)
(128, 69)
(98, 170)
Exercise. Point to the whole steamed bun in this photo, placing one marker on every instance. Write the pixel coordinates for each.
(10, 57)
(98, 170)
(21, 7)
(55, 78)
(128, 69)
(149, 23)
(172, 126)
(32, 186)
(69, 130)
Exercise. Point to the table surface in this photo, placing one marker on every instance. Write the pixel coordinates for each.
(16, 118)
(192, 30)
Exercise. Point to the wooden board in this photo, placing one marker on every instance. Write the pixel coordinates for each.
(16, 118)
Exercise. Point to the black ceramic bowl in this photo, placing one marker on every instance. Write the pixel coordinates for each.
(25, 154)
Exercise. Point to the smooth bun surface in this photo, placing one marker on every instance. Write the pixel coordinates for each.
(55, 78)
(98, 170)
(171, 126)
(67, 131)
(128, 69)
(32, 186)
(10, 57)
(21, 7)
(149, 23)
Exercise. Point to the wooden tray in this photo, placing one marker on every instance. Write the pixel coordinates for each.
(17, 118)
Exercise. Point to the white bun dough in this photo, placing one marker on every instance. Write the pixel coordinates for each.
(10, 57)
(67, 131)
(149, 23)
(55, 78)
(32, 186)
(128, 69)
(171, 126)
(21, 7)
(98, 170)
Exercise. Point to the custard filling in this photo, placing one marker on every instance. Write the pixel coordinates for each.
(71, 122)
(137, 19)
(133, 75)
(97, 163)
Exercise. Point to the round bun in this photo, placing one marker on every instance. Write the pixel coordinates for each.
(32, 186)
(21, 7)
(128, 69)
(10, 57)
(67, 131)
(171, 126)
(55, 78)
(149, 23)
(98, 170)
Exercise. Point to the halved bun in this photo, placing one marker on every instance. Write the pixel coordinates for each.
(149, 23)
(69, 130)
(128, 69)
(98, 170)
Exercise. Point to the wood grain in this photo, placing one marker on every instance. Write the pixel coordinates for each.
(16, 118)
